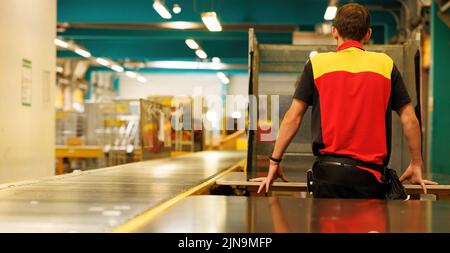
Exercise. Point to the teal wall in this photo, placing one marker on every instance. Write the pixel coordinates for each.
(440, 90)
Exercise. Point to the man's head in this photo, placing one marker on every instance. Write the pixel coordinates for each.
(352, 22)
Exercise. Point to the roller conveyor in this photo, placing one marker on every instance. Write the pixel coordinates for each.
(232, 214)
(100, 200)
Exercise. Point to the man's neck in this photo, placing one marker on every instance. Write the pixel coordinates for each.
(341, 41)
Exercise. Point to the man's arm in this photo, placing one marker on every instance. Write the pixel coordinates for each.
(288, 128)
(411, 130)
(401, 103)
(412, 133)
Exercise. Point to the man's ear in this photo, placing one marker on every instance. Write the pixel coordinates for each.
(367, 36)
(335, 33)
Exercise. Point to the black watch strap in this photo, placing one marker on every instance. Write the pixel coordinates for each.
(275, 159)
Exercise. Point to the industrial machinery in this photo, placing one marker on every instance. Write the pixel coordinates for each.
(185, 138)
(69, 128)
(113, 126)
(155, 129)
(129, 130)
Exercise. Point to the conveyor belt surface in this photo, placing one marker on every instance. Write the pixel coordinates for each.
(288, 214)
(99, 200)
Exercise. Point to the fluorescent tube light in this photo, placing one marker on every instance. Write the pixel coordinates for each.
(142, 79)
(180, 25)
(330, 13)
(211, 22)
(61, 43)
(221, 75)
(117, 68)
(82, 52)
(161, 9)
(185, 65)
(191, 44)
(201, 54)
(131, 74)
(102, 61)
(223, 78)
(226, 80)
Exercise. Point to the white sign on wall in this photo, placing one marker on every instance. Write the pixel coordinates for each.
(46, 87)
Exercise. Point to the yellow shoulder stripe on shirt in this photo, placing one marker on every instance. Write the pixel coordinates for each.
(352, 60)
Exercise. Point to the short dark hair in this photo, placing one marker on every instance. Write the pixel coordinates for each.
(352, 21)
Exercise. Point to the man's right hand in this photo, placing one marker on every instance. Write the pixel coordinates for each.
(275, 172)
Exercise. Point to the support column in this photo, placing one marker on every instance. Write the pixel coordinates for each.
(27, 89)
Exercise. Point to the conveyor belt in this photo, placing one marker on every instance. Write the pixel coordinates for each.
(100, 200)
(287, 214)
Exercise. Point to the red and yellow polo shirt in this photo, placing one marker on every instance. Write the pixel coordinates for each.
(352, 93)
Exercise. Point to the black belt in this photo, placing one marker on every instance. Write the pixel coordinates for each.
(343, 175)
(345, 161)
(337, 164)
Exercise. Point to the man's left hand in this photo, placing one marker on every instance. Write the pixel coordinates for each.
(414, 175)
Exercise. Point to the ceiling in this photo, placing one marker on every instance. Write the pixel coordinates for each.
(131, 29)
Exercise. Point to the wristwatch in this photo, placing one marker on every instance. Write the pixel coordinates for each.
(275, 160)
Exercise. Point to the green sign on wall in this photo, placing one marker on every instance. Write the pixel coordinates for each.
(27, 81)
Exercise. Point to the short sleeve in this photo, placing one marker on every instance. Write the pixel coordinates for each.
(305, 87)
(399, 94)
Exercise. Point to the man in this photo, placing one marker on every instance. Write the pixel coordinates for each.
(352, 93)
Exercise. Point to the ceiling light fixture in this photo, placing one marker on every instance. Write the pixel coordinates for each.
(223, 78)
(201, 54)
(191, 44)
(179, 25)
(331, 10)
(211, 21)
(176, 8)
(99, 60)
(82, 52)
(221, 75)
(102, 61)
(131, 74)
(61, 43)
(142, 79)
(216, 60)
(117, 68)
(161, 9)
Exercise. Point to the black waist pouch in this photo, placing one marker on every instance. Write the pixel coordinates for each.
(394, 188)
(309, 181)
